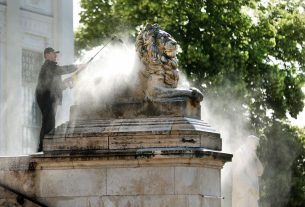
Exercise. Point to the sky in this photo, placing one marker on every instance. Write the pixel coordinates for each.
(76, 10)
(300, 121)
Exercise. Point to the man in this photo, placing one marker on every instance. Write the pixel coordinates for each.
(49, 90)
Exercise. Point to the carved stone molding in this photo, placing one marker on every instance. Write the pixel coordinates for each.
(36, 24)
(33, 42)
(2, 15)
(38, 6)
(2, 22)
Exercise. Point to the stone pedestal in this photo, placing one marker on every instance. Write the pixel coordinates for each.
(155, 177)
(131, 158)
(141, 133)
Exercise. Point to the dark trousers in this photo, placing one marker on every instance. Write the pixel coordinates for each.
(48, 106)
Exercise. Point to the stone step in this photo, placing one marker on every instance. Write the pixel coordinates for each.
(132, 134)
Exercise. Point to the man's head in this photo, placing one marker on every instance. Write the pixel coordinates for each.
(50, 54)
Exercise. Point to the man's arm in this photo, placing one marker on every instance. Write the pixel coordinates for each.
(65, 69)
(69, 82)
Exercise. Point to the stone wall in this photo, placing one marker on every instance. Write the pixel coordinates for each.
(31, 26)
(154, 178)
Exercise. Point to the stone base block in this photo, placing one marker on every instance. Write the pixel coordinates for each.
(137, 201)
(129, 108)
(117, 134)
(163, 177)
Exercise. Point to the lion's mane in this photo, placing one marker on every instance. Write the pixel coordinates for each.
(157, 51)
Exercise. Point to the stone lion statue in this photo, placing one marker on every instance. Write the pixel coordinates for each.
(159, 78)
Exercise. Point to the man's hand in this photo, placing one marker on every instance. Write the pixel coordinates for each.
(68, 82)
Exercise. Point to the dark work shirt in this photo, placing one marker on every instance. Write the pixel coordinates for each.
(49, 79)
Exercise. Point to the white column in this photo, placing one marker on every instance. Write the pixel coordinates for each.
(2, 47)
(63, 37)
(64, 42)
(13, 77)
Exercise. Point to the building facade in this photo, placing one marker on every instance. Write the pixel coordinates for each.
(26, 28)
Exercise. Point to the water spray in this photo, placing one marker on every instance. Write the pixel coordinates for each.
(113, 38)
(90, 60)
(70, 81)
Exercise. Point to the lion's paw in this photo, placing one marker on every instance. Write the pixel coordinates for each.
(196, 94)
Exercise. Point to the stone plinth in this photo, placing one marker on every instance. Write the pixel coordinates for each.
(125, 155)
(186, 177)
(137, 178)
(130, 124)
(132, 108)
(90, 135)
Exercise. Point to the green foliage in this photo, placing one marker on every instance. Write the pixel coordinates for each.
(220, 44)
(245, 50)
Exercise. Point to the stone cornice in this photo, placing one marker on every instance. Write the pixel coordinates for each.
(134, 158)
(44, 7)
(137, 133)
(36, 24)
(2, 15)
(148, 157)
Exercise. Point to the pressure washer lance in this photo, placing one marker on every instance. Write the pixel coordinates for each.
(70, 81)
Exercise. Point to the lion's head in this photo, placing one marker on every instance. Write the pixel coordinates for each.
(157, 50)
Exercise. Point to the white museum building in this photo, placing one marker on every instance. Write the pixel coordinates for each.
(26, 28)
